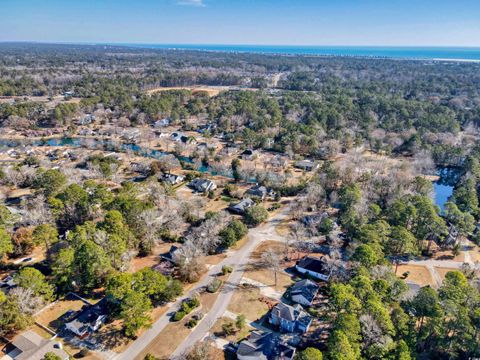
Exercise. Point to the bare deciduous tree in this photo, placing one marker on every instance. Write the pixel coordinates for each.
(271, 260)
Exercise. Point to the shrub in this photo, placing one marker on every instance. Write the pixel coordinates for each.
(191, 323)
(179, 315)
(325, 226)
(255, 215)
(275, 206)
(194, 302)
(233, 232)
(214, 286)
(228, 328)
(186, 308)
(226, 269)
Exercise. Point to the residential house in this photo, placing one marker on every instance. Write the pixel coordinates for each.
(162, 134)
(162, 123)
(452, 237)
(171, 179)
(306, 165)
(85, 132)
(7, 283)
(304, 292)
(317, 268)
(260, 192)
(242, 206)
(314, 220)
(210, 127)
(176, 136)
(202, 185)
(86, 120)
(89, 319)
(31, 346)
(172, 254)
(290, 318)
(264, 345)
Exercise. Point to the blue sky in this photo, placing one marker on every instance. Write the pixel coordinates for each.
(276, 22)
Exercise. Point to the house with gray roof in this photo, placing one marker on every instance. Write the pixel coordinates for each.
(290, 318)
(304, 292)
(264, 345)
(202, 185)
(89, 319)
(260, 192)
(31, 346)
(242, 206)
(307, 165)
(171, 179)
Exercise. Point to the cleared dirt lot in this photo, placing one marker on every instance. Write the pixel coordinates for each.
(247, 301)
(139, 263)
(257, 271)
(237, 336)
(418, 274)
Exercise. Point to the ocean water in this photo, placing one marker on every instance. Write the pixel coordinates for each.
(425, 53)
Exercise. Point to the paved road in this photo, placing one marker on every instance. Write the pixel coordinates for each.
(236, 259)
(431, 264)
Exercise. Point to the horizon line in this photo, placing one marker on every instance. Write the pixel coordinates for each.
(93, 43)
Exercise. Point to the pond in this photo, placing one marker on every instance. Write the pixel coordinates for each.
(443, 187)
(106, 145)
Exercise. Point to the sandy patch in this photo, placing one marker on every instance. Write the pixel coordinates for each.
(418, 274)
(247, 301)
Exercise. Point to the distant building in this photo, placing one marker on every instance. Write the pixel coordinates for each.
(171, 179)
(317, 268)
(307, 165)
(452, 237)
(260, 192)
(176, 136)
(290, 318)
(314, 220)
(86, 120)
(172, 254)
(202, 185)
(242, 206)
(31, 346)
(161, 123)
(304, 292)
(264, 345)
(7, 283)
(89, 319)
(206, 128)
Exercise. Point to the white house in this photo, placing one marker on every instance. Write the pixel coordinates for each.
(304, 292)
(89, 319)
(317, 268)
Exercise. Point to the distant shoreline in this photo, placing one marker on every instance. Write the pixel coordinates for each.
(436, 54)
(443, 54)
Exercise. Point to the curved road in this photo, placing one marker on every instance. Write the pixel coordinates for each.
(237, 260)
